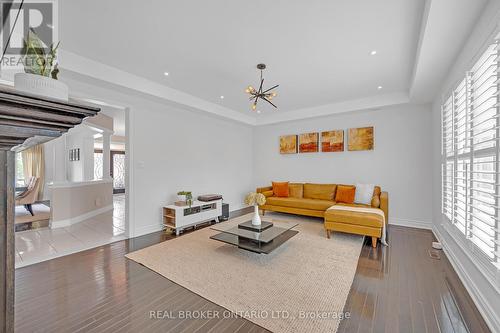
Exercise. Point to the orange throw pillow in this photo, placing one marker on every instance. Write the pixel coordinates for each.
(280, 189)
(345, 194)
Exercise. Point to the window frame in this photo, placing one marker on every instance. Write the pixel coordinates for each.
(467, 155)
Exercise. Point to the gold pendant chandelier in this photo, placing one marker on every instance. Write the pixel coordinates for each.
(266, 95)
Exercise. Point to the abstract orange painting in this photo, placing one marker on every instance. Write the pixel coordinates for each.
(288, 144)
(308, 142)
(332, 141)
(360, 138)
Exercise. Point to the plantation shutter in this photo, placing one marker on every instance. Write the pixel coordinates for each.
(484, 136)
(470, 155)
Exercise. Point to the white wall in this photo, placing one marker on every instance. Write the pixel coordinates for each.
(400, 162)
(81, 137)
(58, 168)
(56, 159)
(171, 148)
(481, 279)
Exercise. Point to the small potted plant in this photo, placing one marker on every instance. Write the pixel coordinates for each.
(255, 200)
(40, 69)
(186, 196)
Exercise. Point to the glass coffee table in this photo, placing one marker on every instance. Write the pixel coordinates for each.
(260, 239)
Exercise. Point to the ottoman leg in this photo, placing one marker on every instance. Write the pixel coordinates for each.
(327, 233)
(374, 241)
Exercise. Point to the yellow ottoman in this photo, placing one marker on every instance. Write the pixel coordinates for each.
(354, 222)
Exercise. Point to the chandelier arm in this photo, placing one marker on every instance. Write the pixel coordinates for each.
(276, 86)
(270, 102)
(266, 95)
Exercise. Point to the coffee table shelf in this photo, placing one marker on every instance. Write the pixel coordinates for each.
(263, 239)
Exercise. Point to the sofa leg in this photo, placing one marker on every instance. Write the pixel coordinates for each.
(374, 241)
(327, 233)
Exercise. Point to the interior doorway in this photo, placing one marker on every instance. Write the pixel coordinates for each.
(106, 221)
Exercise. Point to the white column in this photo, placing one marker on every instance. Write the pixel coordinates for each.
(106, 155)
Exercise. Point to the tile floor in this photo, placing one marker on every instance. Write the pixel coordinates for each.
(38, 245)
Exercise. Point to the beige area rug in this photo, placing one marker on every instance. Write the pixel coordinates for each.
(308, 277)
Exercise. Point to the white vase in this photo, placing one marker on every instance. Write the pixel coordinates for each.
(256, 217)
(41, 85)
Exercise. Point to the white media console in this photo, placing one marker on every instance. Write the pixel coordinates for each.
(179, 217)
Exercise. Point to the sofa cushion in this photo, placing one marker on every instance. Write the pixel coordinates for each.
(296, 190)
(376, 197)
(352, 217)
(364, 193)
(319, 191)
(313, 204)
(345, 193)
(280, 189)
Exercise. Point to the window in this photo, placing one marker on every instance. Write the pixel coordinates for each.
(470, 155)
(97, 164)
(19, 171)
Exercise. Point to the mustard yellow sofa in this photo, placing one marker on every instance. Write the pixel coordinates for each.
(314, 200)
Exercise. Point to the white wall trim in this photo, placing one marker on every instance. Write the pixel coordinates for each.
(79, 218)
(491, 316)
(371, 102)
(69, 184)
(474, 254)
(147, 229)
(410, 223)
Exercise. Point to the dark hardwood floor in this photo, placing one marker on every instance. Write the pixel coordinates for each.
(400, 288)
(396, 289)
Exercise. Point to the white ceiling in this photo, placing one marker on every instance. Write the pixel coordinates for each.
(441, 39)
(317, 50)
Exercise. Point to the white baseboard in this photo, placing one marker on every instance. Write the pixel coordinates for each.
(79, 218)
(147, 229)
(411, 223)
(490, 315)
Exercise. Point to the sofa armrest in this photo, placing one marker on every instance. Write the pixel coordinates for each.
(268, 193)
(264, 189)
(384, 205)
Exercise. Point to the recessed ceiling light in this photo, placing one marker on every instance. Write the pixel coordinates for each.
(258, 111)
(166, 73)
(373, 52)
(379, 87)
(221, 97)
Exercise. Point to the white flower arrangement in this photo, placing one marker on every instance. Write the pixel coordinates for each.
(253, 198)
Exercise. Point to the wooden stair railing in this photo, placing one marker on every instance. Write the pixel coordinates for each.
(25, 120)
